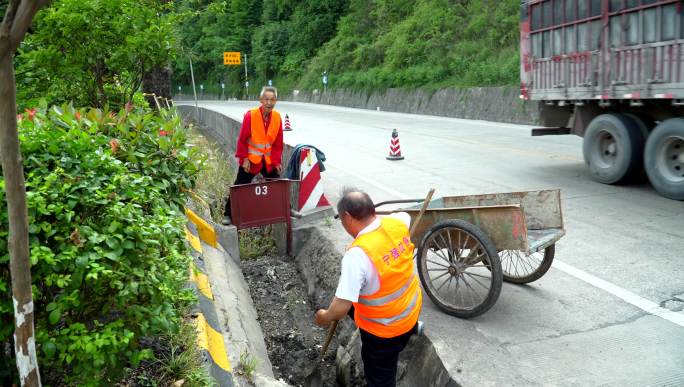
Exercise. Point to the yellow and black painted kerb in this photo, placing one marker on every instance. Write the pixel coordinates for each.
(210, 338)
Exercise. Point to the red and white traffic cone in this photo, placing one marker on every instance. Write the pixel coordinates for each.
(310, 187)
(395, 148)
(287, 124)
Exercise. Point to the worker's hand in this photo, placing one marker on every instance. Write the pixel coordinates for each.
(279, 168)
(320, 319)
(246, 165)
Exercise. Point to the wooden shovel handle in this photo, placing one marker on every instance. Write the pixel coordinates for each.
(422, 211)
(331, 333)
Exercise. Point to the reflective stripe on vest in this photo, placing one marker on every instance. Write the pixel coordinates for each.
(390, 320)
(261, 139)
(258, 149)
(388, 298)
(394, 308)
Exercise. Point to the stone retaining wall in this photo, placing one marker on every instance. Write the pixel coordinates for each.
(500, 104)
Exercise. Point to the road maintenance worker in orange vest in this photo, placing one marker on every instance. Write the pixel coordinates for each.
(260, 143)
(377, 285)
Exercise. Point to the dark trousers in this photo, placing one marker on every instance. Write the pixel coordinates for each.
(246, 178)
(380, 356)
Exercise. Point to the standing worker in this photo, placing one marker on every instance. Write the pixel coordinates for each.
(259, 144)
(377, 286)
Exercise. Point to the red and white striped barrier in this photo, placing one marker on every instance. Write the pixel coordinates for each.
(395, 148)
(310, 187)
(287, 124)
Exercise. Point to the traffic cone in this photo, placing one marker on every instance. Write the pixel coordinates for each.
(310, 187)
(395, 149)
(287, 124)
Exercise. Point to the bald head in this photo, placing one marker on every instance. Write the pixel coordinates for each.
(356, 203)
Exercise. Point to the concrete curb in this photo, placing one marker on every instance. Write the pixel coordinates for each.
(233, 310)
(209, 332)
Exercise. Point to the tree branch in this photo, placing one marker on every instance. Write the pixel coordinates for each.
(16, 22)
(22, 21)
(6, 25)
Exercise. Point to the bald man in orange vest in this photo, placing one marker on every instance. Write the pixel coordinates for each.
(260, 144)
(377, 286)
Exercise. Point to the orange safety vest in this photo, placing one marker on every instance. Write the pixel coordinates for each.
(393, 310)
(260, 140)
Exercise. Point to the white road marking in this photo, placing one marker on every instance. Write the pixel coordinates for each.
(647, 306)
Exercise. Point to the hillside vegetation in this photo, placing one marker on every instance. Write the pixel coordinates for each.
(362, 44)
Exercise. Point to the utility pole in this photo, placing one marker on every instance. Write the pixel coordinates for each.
(194, 90)
(246, 80)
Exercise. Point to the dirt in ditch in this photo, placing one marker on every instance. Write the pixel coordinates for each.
(286, 318)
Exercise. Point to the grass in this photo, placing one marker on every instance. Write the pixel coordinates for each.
(256, 242)
(247, 364)
(214, 179)
(178, 362)
(184, 360)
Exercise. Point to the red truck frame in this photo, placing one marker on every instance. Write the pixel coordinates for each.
(610, 71)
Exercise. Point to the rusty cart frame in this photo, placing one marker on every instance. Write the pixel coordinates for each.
(470, 244)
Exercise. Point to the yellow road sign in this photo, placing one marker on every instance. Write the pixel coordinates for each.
(231, 58)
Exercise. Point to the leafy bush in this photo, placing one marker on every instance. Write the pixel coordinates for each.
(108, 257)
(94, 53)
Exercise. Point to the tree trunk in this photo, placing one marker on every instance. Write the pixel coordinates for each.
(20, 264)
(16, 21)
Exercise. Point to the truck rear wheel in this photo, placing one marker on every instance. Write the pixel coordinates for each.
(613, 148)
(664, 158)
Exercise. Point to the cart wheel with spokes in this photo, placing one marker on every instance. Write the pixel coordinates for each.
(521, 268)
(459, 268)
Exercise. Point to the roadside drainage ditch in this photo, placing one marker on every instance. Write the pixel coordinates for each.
(286, 317)
(286, 292)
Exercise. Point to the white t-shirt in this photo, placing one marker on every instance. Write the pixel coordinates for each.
(358, 275)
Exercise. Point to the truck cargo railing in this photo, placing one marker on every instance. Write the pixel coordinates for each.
(646, 64)
(564, 72)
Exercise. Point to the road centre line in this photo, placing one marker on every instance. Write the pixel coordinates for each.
(631, 298)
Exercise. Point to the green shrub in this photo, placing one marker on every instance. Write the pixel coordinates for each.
(105, 193)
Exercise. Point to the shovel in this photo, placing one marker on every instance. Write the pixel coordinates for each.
(314, 379)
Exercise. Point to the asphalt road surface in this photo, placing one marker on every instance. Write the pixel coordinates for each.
(610, 310)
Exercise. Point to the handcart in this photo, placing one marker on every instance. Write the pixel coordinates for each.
(470, 244)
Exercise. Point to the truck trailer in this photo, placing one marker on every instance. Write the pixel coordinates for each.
(611, 72)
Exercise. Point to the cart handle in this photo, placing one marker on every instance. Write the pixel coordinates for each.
(425, 201)
(399, 202)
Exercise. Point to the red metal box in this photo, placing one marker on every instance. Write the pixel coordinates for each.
(261, 204)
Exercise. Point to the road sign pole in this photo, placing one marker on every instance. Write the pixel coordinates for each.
(246, 80)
